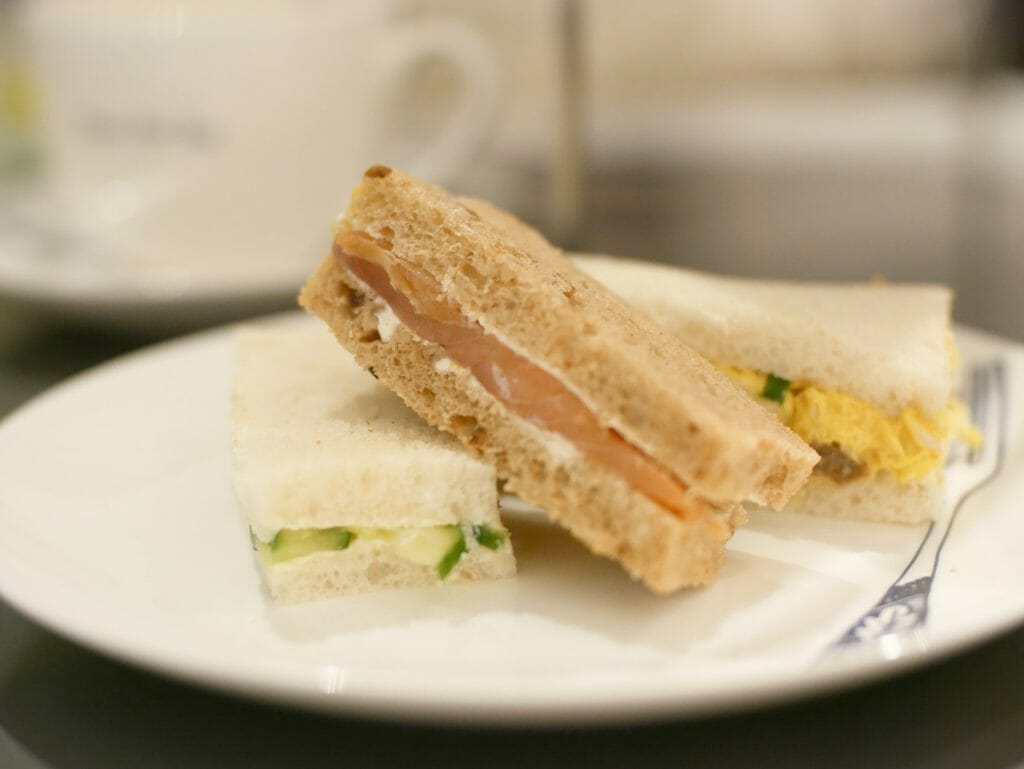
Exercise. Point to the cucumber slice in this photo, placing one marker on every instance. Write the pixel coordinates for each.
(294, 543)
(427, 545)
(438, 546)
(488, 537)
(454, 553)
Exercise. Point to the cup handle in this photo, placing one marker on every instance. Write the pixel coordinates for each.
(438, 157)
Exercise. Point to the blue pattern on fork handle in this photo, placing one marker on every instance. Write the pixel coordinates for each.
(903, 609)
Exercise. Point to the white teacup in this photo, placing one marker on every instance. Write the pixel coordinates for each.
(190, 137)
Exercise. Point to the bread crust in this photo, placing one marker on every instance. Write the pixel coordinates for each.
(881, 499)
(664, 551)
(640, 380)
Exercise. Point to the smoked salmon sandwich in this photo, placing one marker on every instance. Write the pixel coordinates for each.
(589, 410)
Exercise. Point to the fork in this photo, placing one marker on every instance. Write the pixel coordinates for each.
(899, 615)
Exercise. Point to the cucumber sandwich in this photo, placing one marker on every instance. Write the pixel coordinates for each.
(344, 488)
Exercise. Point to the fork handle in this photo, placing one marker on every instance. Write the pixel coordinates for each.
(923, 564)
(903, 607)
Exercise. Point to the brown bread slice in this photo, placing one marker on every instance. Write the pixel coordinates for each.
(640, 381)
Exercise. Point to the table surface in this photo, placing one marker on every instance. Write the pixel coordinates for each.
(63, 707)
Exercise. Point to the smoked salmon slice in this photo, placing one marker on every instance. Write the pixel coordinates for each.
(520, 385)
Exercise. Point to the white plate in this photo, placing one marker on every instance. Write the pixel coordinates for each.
(121, 531)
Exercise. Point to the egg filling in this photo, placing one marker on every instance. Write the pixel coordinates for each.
(910, 445)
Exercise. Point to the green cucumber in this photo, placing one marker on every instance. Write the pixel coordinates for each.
(439, 546)
(775, 388)
(294, 543)
(453, 554)
(488, 537)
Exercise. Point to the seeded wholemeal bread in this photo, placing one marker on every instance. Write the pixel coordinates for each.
(529, 295)
(324, 456)
(514, 291)
(599, 507)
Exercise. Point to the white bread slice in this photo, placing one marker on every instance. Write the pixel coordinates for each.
(888, 345)
(881, 499)
(317, 443)
(637, 379)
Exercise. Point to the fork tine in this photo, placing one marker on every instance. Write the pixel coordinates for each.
(973, 401)
(982, 383)
(1000, 396)
(981, 391)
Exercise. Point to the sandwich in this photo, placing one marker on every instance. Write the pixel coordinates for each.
(864, 373)
(344, 489)
(585, 408)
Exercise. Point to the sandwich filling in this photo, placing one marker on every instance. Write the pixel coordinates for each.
(440, 547)
(857, 439)
(523, 387)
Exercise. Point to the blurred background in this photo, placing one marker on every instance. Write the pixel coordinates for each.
(171, 164)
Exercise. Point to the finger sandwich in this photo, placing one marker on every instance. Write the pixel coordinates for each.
(589, 410)
(863, 372)
(344, 488)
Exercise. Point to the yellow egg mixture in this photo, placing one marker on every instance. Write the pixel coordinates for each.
(911, 445)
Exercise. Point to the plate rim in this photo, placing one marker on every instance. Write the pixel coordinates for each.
(356, 698)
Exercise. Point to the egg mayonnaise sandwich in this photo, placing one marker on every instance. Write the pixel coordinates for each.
(344, 489)
(864, 373)
(619, 431)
